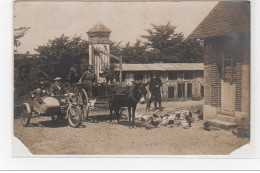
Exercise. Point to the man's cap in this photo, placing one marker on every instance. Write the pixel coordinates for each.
(57, 78)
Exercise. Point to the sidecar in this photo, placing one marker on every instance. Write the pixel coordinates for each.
(57, 107)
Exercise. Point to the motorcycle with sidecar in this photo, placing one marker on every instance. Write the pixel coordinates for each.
(69, 107)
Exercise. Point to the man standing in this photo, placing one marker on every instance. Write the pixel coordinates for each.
(154, 87)
(73, 75)
(88, 78)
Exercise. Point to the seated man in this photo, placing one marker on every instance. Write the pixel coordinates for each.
(102, 85)
(57, 89)
(101, 80)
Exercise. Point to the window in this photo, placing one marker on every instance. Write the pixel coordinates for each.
(188, 75)
(228, 63)
(138, 76)
(200, 73)
(172, 75)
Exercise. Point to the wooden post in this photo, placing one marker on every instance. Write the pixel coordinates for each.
(120, 70)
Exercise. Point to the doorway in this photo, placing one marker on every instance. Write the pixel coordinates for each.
(189, 90)
(170, 92)
(227, 83)
(202, 91)
(181, 90)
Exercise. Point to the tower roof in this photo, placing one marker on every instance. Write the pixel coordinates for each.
(99, 27)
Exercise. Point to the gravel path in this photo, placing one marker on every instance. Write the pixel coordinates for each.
(44, 137)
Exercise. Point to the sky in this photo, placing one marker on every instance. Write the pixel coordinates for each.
(127, 20)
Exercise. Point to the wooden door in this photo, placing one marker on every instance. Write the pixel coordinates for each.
(170, 92)
(181, 90)
(227, 83)
(189, 90)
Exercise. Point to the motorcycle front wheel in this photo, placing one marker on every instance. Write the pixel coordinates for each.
(74, 113)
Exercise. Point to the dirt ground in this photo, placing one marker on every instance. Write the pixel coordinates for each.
(44, 137)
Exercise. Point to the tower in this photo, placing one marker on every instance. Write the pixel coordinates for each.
(99, 39)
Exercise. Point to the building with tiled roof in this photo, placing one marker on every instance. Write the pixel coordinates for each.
(226, 35)
(182, 81)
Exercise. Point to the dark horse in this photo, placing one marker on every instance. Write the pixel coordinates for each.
(127, 96)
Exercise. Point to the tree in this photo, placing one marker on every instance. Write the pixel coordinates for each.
(165, 39)
(167, 45)
(192, 51)
(134, 53)
(19, 33)
(61, 53)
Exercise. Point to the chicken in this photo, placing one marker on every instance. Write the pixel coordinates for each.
(145, 118)
(206, 126)
(171, 123)
(156, 121)
(155, 116)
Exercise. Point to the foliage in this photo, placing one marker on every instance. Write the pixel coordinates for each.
(134, 53)
(167, 45)
(192, 51)
(19, 33)
(61, 53)
(165, 39)
(28, 73)
(163, 45)
(115, 49)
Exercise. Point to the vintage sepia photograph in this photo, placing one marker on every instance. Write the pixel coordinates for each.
(131, 78)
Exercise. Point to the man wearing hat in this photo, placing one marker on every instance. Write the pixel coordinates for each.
(88, 78)
(57, 88)
(154, 87)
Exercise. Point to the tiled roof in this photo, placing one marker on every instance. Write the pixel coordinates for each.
(99, 27)
(162, 67)
(225, 18)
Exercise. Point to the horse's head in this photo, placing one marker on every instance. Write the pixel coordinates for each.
(140, 91)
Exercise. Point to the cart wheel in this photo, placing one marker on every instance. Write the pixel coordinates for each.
(83, 98)
(74, 115)
(26, 115)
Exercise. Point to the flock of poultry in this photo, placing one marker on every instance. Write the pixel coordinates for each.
(181, 118)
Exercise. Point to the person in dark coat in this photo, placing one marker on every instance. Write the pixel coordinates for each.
(73, 74)
(154, 88)
(57, 89)
(88, 78)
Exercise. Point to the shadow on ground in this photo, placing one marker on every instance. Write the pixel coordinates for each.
(52, 124)
(122, 122)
